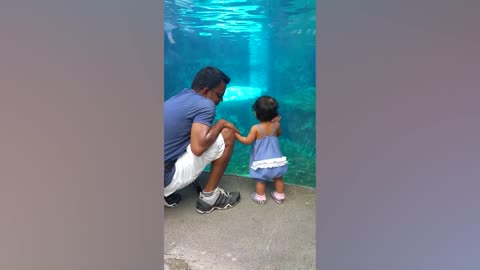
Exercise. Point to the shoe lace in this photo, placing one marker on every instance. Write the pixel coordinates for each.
(224, 192)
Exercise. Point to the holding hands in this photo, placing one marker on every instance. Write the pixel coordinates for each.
(231, 126)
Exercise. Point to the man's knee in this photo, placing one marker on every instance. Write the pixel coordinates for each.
(228, 136)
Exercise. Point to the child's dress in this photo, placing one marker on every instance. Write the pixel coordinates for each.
(266, 159)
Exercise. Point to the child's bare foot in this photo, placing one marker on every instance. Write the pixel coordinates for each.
(259, 199)
(277, 197)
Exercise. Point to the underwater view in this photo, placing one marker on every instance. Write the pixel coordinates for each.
(266, 48)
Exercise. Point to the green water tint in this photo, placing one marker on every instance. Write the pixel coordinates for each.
(301, 167)
(297, 141)
(266, 48)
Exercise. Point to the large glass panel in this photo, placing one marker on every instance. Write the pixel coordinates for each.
(266, 47)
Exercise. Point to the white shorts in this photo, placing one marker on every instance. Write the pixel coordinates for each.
(189, 166)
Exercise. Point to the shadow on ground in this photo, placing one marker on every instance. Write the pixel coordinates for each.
(247, 236)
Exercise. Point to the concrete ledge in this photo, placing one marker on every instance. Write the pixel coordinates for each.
(247, 236)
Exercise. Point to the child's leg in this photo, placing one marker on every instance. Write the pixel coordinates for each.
(259, 195)
(278, 195)
(260, 188)
(279, 186)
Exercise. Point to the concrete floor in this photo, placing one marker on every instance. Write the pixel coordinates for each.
(247, 236)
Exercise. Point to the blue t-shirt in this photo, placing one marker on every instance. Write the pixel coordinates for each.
(180, 112)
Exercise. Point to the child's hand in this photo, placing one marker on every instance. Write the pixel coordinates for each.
(239, 137)
(232, 127)
(277, 119)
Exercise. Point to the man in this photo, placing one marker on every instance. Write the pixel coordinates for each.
(192, 142)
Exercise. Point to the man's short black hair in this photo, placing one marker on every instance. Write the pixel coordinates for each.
(209, 77)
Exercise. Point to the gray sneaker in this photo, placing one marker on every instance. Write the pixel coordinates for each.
(172, 200)
(224, 200)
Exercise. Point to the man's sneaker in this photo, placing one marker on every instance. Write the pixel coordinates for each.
(172, 200)
(221, 200)
(197, 186)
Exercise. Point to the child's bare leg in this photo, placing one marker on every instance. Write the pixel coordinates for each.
(278, 195)
(260, 188)
(259, 195)
(279, 186)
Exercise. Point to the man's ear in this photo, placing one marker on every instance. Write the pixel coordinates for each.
(204, 91)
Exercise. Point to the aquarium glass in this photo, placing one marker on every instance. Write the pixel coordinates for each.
(266, 48)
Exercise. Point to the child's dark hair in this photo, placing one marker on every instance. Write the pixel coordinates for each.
(266, 108)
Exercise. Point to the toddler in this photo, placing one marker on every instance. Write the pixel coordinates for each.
(266, 159)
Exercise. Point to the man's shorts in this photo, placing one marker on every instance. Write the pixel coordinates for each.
(188, 166)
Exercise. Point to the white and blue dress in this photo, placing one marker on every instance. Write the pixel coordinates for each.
(266, 159)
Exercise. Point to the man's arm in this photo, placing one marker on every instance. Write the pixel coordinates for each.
(203, 136)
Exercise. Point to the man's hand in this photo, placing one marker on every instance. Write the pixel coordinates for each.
(231, 126)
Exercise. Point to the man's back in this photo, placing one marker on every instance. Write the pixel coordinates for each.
(180, 112)
(191, 114)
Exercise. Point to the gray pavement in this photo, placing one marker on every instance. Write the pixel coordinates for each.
(248, 236)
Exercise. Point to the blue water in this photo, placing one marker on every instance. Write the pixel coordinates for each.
(265, 47)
